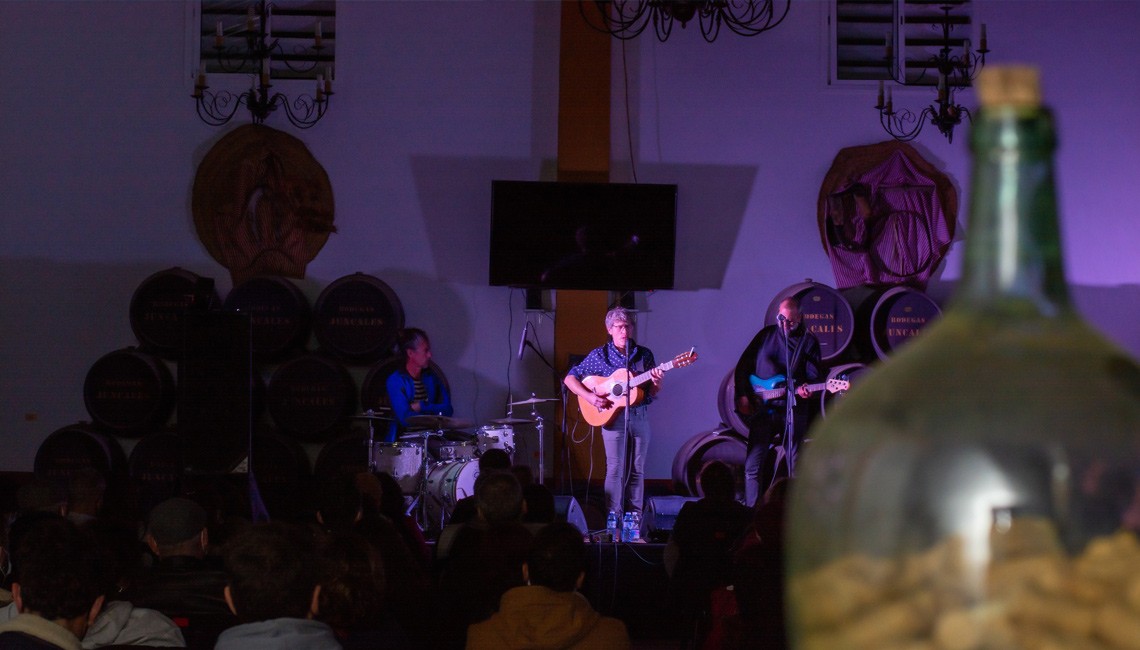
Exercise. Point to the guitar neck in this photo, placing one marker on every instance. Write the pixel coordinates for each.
(646, 376)
(779, 392)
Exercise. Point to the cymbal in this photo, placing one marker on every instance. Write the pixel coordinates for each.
(512, 421)
(421, 434)
(371, 415)
(438, 422)
(534, 400)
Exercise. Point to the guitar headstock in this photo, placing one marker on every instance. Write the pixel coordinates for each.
(684, 359)
(836, 385)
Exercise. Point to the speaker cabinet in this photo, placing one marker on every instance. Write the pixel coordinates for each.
(567, 508)
(661, 514)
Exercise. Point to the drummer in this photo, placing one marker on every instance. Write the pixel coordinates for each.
(414, 388)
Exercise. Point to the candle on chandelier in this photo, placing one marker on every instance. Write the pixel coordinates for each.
(890, 103)
(219, 36)
(328, 80)
(879, 103)
(317, 34)
(265, 72)
(983, 36)
(320, 87)
(890, 48)
(249, 26)
(268, 21)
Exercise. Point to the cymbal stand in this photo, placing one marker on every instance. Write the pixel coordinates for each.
(538, 425)
(371, 441)
(420, 502)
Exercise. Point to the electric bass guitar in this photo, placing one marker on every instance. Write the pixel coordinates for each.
(775, 386)
(615, 386)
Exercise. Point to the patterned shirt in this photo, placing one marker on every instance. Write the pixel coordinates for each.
(605, 360)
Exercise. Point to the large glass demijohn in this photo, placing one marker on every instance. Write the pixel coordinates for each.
(979, 490)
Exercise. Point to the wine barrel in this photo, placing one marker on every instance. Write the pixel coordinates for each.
(82, 446)
(280, 315)
(726, 405)
(157, 466)
(310, 397)
(719, 444)
(898, 315)
(345, 456)
(374, 388)
(826, 313)
(281, 468)
(356, 319)
(158, 304)
(129, 392)
(849, 372)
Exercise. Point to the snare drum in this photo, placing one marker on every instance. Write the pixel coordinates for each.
(447, 483)
(450, 451)
(496, 437)
(403, 460)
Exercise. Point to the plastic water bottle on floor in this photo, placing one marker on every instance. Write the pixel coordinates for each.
(635, 526)
(612, 526)
(627, 527)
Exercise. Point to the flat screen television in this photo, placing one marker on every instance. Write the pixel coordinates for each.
(595, 236)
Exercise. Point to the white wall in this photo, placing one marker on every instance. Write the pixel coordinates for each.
(99, 144)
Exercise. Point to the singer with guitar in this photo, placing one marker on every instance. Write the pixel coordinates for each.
(788, 349)
(620, 355)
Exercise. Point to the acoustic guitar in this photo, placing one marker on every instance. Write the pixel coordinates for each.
(615, 386)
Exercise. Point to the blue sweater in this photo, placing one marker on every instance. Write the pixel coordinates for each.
(401, 393)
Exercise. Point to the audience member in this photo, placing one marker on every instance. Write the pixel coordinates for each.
(492, 460)
(274, 589)
(539, 504)
(549, 612)
(387, 499)
(485, 558)
(85, 490)
(57, 589)
(347, 505)
(352, 595)
(705, 535)
(183, 583)
(759, 574)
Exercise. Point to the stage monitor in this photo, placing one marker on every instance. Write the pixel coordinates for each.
(591, 236)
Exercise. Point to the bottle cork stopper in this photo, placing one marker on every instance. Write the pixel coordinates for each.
(1009, 85)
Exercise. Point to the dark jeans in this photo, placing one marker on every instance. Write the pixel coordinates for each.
(764, 431)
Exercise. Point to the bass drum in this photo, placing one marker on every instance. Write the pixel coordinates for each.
(447, 483)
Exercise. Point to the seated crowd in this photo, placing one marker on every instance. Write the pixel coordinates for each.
(356, 573)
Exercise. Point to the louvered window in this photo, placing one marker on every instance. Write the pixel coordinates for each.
(864, 33)
(304, 30)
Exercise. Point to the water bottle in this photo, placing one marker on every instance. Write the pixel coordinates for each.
(612, 526)
(626, 527)
(635, 527)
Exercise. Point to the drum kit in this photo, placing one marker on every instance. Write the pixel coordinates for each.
(435, 461)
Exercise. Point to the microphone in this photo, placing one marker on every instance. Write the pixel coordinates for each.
(522, 341)
(781, 318)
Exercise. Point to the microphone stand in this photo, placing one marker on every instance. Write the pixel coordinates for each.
(788, 442)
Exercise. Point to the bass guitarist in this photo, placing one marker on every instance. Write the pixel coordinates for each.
(618, 354)
(788, 349)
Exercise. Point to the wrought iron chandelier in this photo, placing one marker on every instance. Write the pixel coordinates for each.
(954, 73)
(251, 46)
(626, 19)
